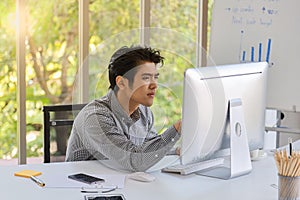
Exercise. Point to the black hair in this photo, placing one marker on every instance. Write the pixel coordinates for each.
(125, 60)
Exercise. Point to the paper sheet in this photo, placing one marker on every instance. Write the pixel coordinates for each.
(62, 181)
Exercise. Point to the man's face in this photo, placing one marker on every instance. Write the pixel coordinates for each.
(144, 85)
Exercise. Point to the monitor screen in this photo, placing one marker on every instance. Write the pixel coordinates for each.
(207, 92)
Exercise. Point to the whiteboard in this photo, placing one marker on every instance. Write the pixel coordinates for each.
(261, 30)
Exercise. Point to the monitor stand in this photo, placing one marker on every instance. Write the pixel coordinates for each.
(238, 162)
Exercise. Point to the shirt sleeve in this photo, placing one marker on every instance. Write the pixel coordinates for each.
(102, 134)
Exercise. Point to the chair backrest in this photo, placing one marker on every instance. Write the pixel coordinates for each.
(62, 117)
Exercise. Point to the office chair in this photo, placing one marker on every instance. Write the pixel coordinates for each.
(62, 118)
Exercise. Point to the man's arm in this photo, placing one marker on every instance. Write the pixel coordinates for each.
(101, 133)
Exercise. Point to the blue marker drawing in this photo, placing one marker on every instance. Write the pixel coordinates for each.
(259, 52)
(241, 42)
(252, 54)
(268, 50)
(254, 48)
(244, 56)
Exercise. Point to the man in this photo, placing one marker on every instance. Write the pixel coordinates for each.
(120, 126)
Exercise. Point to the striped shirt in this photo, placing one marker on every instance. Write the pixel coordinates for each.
(103, 130)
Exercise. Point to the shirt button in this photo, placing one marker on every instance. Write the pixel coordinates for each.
(172, 139)
(156, 156)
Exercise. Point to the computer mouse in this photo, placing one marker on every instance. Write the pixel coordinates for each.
(141, 176)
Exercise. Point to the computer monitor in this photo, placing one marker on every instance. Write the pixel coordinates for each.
(207, 92)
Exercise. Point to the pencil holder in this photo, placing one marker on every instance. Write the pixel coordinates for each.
(288, 187)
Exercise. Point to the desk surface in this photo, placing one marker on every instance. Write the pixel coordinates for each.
(254, 186)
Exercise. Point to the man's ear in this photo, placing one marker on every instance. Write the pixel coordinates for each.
(121, 82)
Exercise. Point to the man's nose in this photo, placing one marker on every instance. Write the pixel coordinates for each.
(153, 84)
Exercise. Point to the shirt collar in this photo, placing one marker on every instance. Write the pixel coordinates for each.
(119, 111)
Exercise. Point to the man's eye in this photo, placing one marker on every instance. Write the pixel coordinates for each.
(156, 77)
(146, 78)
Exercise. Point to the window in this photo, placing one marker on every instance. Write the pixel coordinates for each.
(112, 24)
(173, 30)
(52, 51)
(8, 80)
(51, 66)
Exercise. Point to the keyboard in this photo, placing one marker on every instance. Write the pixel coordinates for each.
(194, 167)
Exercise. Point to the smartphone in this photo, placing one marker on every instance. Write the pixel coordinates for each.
(105, 197)
(85, 178)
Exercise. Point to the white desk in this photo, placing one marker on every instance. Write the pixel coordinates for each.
(254, 186)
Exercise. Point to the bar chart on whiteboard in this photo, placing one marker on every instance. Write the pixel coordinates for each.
(255, 53)
(256, 31)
